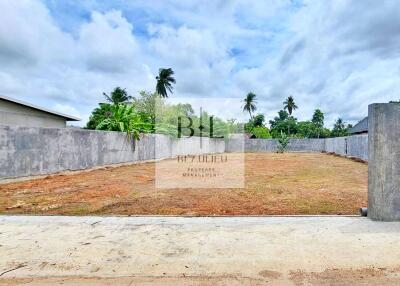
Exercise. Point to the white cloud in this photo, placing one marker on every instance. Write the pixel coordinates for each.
(66, 109)
(44, 65)
(108, 43)
(343, 64)
(200, 60)
(180, 45)
(335, 55)
(28, 34)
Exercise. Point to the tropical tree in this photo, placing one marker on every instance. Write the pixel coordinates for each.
(289, 105)
(258, 120)
(283, 123)
(261, 132)
(308, 129)
(99, 114)
(234, 127)
(148, 103)
(318, 122)
(250, 103)
(117, 96)
(165, 80)
(339, 128)
(318, 118)
(124, 118)
(339, 124)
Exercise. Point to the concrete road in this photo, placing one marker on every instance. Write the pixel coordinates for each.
(198, 251)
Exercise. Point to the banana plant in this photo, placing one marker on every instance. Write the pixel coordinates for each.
(125, 119)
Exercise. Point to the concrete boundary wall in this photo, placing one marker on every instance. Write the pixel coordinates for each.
(29, 151)
(271, 145)
(336, 145)
(351, 146)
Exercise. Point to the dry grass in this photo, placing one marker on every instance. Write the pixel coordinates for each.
(276, 184)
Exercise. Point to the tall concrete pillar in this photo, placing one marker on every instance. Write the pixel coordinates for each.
(384, 161)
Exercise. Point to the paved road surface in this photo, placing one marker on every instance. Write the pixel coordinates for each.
(198, 251)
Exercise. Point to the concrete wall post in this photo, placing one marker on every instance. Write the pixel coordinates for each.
(384, 161)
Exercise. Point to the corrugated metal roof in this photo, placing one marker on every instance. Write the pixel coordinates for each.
(67, 117)
(360, 127)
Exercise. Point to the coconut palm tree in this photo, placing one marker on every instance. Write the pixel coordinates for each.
(165, 80)
(117, 96)
(250, 103)
(290, 105)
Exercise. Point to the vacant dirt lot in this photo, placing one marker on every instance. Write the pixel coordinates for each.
(275, 184)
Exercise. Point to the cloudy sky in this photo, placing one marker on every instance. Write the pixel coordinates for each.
(338, 56)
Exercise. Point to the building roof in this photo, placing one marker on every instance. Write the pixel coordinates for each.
(360, 127)
(67, 117)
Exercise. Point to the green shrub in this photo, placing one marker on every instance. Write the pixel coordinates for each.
(283, 141)
(124, 118)
(261, 132)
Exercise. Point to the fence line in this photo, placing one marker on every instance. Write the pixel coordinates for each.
(352, 146)
(27, 151)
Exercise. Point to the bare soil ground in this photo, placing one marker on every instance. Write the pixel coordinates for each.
(275, 184)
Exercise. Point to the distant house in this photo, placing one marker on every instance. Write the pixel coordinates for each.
(18, 113)
(360, 128)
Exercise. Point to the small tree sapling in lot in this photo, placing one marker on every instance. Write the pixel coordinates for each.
(283, 141)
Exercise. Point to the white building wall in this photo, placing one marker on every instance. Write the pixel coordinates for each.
(13, 114)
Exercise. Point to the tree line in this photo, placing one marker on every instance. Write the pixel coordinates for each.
(285, 124)
(149, 113)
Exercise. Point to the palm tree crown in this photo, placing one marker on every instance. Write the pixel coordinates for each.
(290, 105)
(165, 80)
(250, 103)
(117, 96)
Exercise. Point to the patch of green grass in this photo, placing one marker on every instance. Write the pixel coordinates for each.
(78, 209)
(307, 206)
(133, 195)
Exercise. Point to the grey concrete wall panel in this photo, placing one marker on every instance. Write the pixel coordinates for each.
(384, 162)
